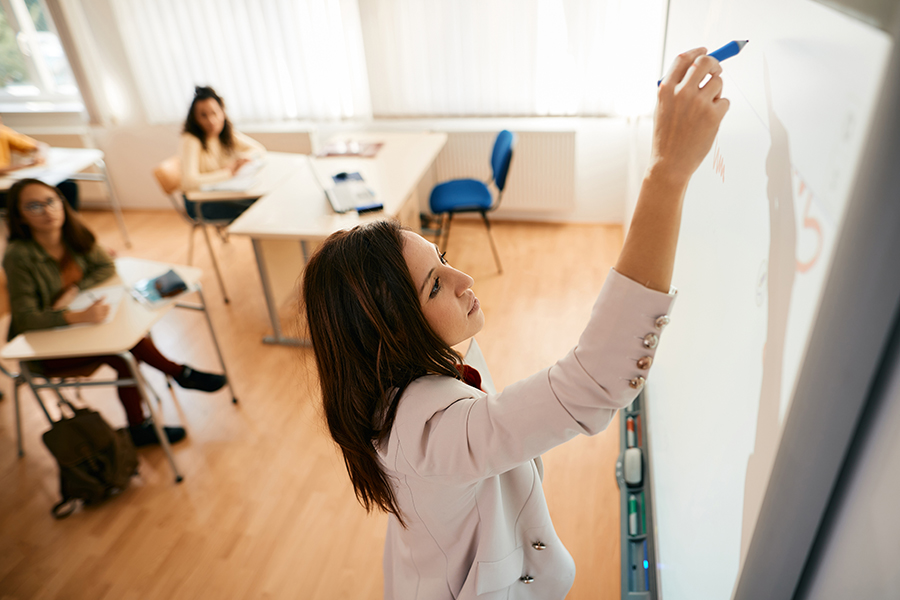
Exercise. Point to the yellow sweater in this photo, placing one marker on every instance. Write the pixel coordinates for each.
(11, 140)
(200, 167)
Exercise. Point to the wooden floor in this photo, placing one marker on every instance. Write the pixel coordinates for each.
(266, 509)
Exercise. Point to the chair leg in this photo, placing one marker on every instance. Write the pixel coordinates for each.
(16, 383)
(26, 373)
(190, 256)
(445, 230)
(487, 224)
(212, 255)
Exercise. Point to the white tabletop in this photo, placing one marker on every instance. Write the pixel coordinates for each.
(130, 324)
(298, 208)
(277, 168)
(60, 164)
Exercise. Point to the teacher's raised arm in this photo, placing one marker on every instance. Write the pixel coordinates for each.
(686, 122)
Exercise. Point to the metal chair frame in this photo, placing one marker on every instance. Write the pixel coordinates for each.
(168, 176)
(443, 233)
(28, 374)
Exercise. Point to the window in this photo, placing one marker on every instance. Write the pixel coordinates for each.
(271, 60)
(33, 65)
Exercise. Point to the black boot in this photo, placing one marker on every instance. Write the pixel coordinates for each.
(145, 434)
(192, 379)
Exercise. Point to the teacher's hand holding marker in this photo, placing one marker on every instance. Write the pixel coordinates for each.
(685, 125)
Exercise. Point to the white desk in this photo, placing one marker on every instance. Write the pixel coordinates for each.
(68, 163)
(131, 323)
(298, 211)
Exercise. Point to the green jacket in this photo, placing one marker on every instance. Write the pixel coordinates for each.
(34, 282)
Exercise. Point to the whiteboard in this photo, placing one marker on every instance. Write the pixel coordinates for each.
(760, 220)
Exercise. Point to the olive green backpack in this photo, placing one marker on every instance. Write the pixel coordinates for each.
(94, 460)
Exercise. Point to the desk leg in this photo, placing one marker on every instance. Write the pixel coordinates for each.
(212, 332)
(279, 337)
(157, 423)
(114, 200)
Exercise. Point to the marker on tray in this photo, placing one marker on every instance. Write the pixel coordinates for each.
(632, 515)
(727, 51)
(629, 432)
(643, 514)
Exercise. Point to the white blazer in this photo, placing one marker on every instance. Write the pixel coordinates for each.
(465, 464)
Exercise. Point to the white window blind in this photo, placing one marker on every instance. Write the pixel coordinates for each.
(512, 57)
(270, 60)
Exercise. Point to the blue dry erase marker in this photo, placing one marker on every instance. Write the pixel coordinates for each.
(726, 51)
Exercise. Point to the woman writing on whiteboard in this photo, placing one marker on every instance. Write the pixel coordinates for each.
(457, 469)
(51, 257)
(211, 151)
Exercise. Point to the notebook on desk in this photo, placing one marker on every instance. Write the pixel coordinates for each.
(243, 180)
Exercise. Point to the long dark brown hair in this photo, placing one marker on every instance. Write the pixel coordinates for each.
(75, 233)
(192, 126)
(370, 340)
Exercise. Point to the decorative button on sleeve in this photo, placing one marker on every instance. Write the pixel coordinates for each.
(644, 362)
(637, 383)
(662, 321)
(538, 546)
(651, 340)
(526, 579)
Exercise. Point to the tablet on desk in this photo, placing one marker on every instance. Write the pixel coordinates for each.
(349, 192)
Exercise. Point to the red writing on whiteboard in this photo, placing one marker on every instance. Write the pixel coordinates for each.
(810, 223)
(719, 162)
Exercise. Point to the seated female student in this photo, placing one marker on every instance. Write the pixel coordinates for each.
(212, 150)
(458, 469)
(51, 256)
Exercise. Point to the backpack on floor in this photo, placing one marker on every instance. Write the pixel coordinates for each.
(94, 460)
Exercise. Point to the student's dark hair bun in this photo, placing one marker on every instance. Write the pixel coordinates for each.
(201, 92)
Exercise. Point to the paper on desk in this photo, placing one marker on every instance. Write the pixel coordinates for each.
(112, 295)
(243, 180)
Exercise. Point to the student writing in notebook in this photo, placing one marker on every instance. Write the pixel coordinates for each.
(211, 151)
(51, 256)
(457, 469)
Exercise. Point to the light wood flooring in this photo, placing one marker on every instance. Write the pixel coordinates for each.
(266, 509)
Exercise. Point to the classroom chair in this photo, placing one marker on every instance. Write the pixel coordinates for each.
(471, 195)
(168, 176)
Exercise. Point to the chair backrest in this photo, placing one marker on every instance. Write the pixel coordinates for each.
(501, 157)
(168, 175)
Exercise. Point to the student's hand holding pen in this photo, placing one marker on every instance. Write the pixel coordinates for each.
(95, 313)
(66, 297)
(240, 162)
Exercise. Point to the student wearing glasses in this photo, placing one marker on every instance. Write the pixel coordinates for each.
(212, 150)
(457, 469)
(51, 257)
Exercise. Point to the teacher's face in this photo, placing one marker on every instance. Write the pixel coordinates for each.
(210, 117)
(445, 294)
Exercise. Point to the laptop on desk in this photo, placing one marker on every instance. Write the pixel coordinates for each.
(347, 192)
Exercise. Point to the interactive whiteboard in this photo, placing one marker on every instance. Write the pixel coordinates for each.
(760, 221)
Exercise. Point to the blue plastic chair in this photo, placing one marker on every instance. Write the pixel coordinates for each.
(471, 195)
